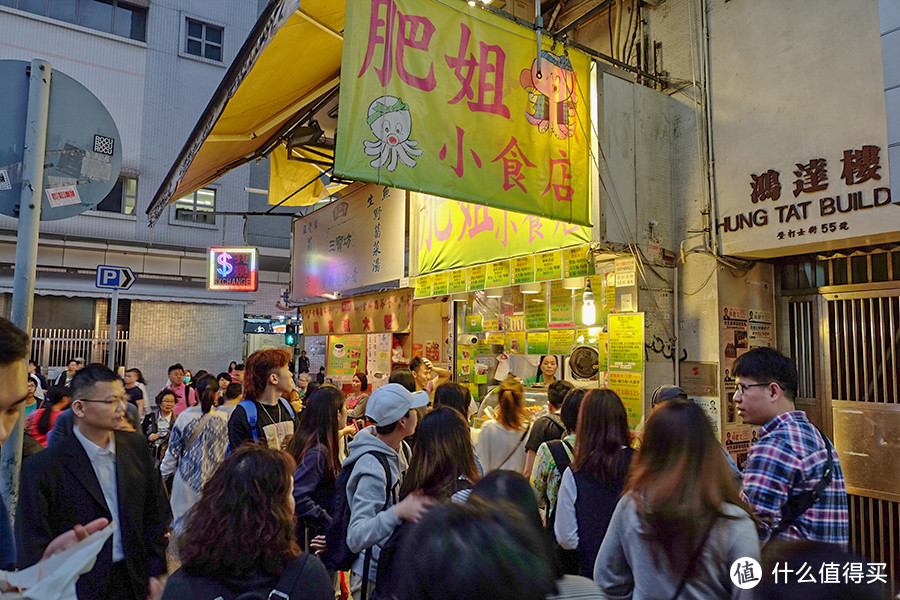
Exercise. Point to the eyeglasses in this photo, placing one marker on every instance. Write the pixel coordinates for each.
(108, 401)
(742, 387)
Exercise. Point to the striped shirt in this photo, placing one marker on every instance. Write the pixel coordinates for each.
(788, 459)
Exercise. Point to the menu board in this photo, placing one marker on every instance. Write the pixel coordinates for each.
(497, 274)
(538, 342)
(440, 283)
(548, 266)
(423, 286)
(522, 269)
(515, 342)
(626, 342)
(575, 262)
(457, 281)
(629, 386)
(562, 307)
(535, 314)
(476, 277)
(561, 341)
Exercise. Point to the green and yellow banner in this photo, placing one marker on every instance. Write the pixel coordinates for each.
(450, 99)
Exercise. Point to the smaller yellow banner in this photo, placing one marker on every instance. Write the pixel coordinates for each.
(473, 323)
(497, 274)
(575, 261)
(423, 286)
(495, 338)
(538, 342)
(439, 283)
(490, 324)
(548, 266)
(457, 281)
(628, 386)
(561, 341)
(477, 275)
(523, 269)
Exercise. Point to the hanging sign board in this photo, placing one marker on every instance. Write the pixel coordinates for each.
(375, 313)
(351, 243)
(232, 269)
(504, 136)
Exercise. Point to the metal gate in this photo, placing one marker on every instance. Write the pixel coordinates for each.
(856, 376)
(53, 348)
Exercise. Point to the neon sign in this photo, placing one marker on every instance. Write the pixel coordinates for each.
(232, 269)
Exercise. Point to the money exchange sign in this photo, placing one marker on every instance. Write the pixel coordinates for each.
(232, 269)
(451, 100)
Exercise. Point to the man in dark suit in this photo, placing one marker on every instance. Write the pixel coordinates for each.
(98, 472)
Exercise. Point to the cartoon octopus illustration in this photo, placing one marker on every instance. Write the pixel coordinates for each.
(390, 121)
(552, 94)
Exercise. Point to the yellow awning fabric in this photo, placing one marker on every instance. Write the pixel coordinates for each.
(287, 176)
(261, 92)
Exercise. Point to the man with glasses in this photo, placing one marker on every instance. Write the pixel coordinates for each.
(97, 472)
(785, 477)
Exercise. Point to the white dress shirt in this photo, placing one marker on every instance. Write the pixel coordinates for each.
(103, 461)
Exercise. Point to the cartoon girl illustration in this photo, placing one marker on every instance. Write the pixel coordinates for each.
(553, 94)
(390, 121)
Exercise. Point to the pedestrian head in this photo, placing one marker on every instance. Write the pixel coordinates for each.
(570, 407)
(72, 366)
(319, 424)
(233, 392)
(391, 408)
(134, 376)
(477, 553)
(680, 479)
(32, 385)
(421, 370)
(176, 375)
(547, 367)
(247, 504)
(57, 399)
(556, 392)
(224, 380)
(165, 400)
(238, 374)
(14, 349)
(404, 377)
(98, 398)
(766, 383)
(360, 382)
(511, 488)
(206, 386)
(232, 365)
(455, 396)
(601, 437)
(664, 393)
(511, 398)
(268, 368)
(443, 455)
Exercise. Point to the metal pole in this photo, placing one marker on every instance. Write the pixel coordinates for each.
(26, 252)
(113, 323)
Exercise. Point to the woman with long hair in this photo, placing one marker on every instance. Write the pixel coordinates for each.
(591, 486)
(240, 535)
(197, 445)
(681, 522)
(442, 465)
(41, 421)
(314, 447)
(501, 442)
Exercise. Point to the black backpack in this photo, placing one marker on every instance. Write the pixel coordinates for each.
(338, 556)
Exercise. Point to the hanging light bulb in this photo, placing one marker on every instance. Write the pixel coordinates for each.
(588, 311)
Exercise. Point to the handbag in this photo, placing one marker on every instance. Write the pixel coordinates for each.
(513, 451)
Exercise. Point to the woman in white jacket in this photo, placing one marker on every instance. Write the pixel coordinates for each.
(197, 445)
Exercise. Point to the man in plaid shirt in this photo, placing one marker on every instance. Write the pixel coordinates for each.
(791, 454)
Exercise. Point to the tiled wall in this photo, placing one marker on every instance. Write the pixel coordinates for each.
(199, 336)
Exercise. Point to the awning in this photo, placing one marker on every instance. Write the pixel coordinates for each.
(154, 290)
(291, 58)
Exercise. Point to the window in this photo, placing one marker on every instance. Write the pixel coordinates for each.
(122, 198)
(111, 16)
(199, 207)
(204, 40)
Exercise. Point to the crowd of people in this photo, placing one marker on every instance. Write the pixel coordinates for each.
(250, 481)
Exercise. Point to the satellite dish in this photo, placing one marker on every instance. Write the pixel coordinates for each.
(84, 151)
(585, 362)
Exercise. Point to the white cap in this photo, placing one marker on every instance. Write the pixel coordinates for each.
(390, 403)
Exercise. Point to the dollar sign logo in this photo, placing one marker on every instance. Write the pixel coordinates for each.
(225, 267)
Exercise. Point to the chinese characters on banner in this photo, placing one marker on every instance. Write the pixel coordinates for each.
(351, 243)
(377, 313)
(454, 234)
(445, 99)
(814, 202)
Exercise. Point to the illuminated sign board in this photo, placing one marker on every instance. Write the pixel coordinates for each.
(232, 269)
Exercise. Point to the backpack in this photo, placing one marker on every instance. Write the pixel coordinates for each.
(338, 556)
(249, 407)
(286, 583)
(562, 460)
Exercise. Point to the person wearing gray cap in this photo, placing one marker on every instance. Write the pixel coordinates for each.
(667, 392)
(376, 453)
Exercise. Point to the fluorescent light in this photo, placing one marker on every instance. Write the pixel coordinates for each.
(530, 288)
(493, 293)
